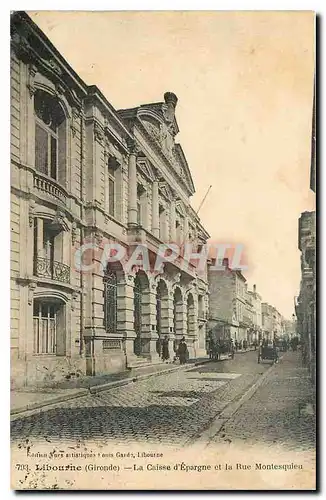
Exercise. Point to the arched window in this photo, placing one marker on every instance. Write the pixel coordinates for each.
(110, 301)
(50, 140)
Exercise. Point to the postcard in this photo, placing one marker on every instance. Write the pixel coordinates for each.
(163, 255)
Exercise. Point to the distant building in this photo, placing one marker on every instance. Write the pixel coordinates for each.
(256, 313)
(229, 307)
(289, 327)
(267, 321)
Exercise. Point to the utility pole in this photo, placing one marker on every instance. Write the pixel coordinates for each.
(201, 204)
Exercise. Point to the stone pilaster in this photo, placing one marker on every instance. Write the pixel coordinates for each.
(149, 334)
(39, 238)
(28, 123)
(186, 229)
(181, 320)
(125, 314)
(26, 337)
(132, 185)
(173, 235)
(169, 322)
(66, 248)
(98, 135)
(155, 210)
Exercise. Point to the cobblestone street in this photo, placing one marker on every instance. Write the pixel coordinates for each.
(175, 408)
(168, 409)
(278, 413)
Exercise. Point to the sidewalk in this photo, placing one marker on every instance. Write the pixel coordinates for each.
(281, 410)
(26, 399)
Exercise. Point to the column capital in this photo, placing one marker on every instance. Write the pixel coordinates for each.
(133, 147)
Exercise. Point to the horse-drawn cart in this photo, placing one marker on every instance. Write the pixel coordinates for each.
(267, 353)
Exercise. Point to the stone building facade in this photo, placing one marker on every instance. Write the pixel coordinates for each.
(256, 314)
(267, 321)
(84, 178)
(272, 322)
(306, 302)
(228, 302)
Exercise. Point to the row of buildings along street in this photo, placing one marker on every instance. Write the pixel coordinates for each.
(86, 173)
(306, 301)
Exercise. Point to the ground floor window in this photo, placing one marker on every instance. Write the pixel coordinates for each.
(48, 327)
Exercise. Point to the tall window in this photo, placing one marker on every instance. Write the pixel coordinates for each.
(49, 136)
(45, 328)
(48, 251)
(110, 301)
(113, 166)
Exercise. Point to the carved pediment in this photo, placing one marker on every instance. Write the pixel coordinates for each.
(166, 191)
(181, 208)
(159, 121)
(162, 134)
(146, 169)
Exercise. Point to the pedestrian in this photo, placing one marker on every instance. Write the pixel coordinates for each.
(211, 348)
(235, 345)
(232, 348)
(165, 348)
(217, 350)
(183, 351)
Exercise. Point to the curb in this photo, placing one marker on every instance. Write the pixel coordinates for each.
(58, 399)
(100, 388)
(230, 409)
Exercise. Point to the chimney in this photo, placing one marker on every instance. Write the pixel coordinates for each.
(254, 288)
(170, 99)
(171, 102)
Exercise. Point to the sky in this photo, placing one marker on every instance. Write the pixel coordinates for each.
(244, 82)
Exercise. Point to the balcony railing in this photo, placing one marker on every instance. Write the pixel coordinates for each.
(46, 268)
(49, 187)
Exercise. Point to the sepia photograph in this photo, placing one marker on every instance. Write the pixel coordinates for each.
(163, 250)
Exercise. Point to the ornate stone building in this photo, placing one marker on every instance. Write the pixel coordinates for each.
(227, 302)
(85, 176)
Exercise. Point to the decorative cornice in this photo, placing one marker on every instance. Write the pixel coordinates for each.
(98, 133)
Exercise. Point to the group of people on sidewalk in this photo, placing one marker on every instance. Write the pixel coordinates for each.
(180, 352)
